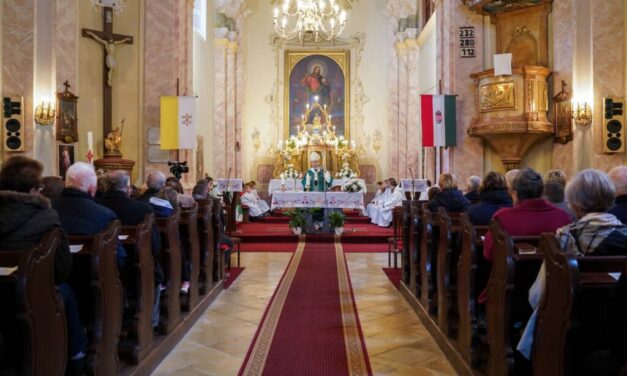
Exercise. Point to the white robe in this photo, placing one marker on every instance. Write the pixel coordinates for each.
(254, 205)
(370, 208)
(383, 216)
(261, 203)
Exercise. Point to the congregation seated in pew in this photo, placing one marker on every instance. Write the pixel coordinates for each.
(619, 178)
(78, 211)
(472, 185)
(381, 213)
(595, 233)
(493, 195)
(162, 201)
(131, 213)
(25, 216)
(531, 215)
(449, 197)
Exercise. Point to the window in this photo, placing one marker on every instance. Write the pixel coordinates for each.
(200, 17)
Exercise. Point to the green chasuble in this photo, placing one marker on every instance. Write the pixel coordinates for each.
(313, 183)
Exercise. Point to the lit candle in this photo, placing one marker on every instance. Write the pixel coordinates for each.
(316, 98)
(90, 140)
(353, 144)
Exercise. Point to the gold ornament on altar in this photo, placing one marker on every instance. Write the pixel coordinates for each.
(317, 136)
(113, 141)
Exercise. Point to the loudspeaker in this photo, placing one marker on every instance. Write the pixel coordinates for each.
(13, 123)
(613, 125)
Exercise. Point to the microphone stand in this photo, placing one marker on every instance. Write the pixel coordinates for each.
(413, 185)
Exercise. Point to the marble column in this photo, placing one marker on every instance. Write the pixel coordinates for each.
(220, 108)
(231, 105)
(18, 54)
(400, 148)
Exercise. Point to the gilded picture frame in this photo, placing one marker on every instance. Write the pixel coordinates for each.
(324, 74)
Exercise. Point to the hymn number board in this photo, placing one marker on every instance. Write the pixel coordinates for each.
(467, 45)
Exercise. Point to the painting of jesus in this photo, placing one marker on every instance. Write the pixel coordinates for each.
(320, 77)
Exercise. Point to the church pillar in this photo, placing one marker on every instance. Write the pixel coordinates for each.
(453, 71)
(414, 132)
(219, 108)
(400, 169)
(18, 54)
(232, 154)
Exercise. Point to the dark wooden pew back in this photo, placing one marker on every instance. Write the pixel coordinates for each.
(507, 289)
(218, 230)
(566, 277)
(103, 294)
(171, 261)
(188, 227)
(467, 294)
(139, 252)
(33, 320)
(207, 249)
(427, 283)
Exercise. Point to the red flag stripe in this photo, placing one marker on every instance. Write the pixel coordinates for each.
(426, 110)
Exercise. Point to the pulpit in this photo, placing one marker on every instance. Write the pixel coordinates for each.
(512, 111)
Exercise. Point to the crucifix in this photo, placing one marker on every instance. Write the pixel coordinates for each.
(109, 41)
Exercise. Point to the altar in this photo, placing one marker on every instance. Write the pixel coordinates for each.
(295, 185)
(326, 200)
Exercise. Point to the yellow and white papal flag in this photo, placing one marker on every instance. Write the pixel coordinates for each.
(178, 120)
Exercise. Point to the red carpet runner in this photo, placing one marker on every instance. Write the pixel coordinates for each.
(311, 326)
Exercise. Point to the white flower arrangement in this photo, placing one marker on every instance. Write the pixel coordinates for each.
(346, 172)
(353, 185)
(290, 173)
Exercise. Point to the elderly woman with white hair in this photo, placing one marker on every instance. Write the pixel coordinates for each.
(590, 194)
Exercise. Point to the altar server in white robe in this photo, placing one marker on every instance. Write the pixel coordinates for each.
(263, 205)
(255, 211)
(383, 216)
(378, 196)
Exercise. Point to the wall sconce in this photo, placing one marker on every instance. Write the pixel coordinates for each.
(44, 113)
(582, 114)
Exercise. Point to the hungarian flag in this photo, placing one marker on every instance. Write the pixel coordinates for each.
(438, 120)
(178, 119)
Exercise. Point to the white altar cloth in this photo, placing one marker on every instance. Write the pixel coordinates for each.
(296, 185)
(344, 200)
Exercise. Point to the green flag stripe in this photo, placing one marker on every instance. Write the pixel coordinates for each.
(450, 121)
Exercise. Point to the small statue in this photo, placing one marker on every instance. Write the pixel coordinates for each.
(113, 141)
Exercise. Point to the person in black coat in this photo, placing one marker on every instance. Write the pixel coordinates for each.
(449, 197)
(473, 184)
(80, 214)
(130, 213)
(25, 216)
(162, 201)
(493, 195)
(619, 178)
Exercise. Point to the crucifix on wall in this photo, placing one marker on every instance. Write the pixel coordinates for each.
(109, 41)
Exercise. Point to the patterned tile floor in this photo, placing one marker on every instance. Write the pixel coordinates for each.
(398, 344)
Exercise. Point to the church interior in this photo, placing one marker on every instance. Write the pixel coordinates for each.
(313, 187)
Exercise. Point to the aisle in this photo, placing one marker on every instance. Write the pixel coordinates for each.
(311, 326)
(397, 343)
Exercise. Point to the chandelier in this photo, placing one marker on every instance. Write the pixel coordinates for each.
(309, 20)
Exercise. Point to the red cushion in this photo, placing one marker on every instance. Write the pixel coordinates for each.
(224, 247)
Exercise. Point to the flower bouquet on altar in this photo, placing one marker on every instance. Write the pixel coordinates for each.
(290, 172)
(353, 185)
(346, 172)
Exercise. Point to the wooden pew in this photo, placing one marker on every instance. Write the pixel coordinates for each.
(447, 255)
(171, 262)
(467, 286)
(408, 258)
(33, 311)
(218, 229)
(511, 277)
(207, 247)
(138, 244)
(567, 278)
(427, 287)
(188, 229)
(395, 243)
(99, 294)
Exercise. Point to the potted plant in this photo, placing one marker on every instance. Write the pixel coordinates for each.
(297, 220)
(336, 220)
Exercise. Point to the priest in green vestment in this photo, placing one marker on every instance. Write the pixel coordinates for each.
(317, 179)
